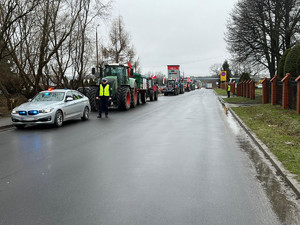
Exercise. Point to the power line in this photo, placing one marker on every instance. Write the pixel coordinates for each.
(190, 62)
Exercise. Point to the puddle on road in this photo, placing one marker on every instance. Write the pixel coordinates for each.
(282, 198)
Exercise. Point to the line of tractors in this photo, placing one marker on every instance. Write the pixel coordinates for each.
(179, 86)
(129, 89)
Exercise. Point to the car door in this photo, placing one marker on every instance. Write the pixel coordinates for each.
(69, 106)
(78, 103)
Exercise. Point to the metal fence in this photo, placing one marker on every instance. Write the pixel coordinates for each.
(293, 94)
(279, 93)
(269, 91)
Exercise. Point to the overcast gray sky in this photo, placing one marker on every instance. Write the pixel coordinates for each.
(166, 32)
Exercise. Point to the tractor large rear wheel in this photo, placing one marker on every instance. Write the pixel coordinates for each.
(124, 99)
(92, 94)
(134, 96)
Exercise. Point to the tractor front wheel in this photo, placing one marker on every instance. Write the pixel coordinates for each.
(151, 95)
(143, 97)
(124, 99)
(92, 94)
(155, 95)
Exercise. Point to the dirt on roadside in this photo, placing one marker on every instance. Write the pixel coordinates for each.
(15, 101)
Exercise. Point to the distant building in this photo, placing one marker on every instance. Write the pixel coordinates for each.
(214, 81)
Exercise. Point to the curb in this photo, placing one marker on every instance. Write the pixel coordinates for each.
(3, 128)
(288, 177)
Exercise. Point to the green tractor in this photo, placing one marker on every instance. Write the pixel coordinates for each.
(123, 86)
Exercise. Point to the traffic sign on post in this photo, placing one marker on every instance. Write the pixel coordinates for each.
(223, 75)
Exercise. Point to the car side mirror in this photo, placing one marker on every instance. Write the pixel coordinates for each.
(69, 99)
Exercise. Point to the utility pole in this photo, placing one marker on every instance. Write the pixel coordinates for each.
(97, 54)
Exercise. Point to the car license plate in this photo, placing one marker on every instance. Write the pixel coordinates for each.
(28, 119)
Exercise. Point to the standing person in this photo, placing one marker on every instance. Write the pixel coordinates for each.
(104, 95)
(228, 91)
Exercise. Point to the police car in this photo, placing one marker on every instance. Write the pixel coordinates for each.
(53, 106)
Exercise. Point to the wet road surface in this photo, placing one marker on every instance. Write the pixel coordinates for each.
(179, 160)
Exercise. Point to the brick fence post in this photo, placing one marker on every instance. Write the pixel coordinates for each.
(244, 89)
(285, 91)
(252, 89)
(274, 90)
(298, 94)
(265, 91)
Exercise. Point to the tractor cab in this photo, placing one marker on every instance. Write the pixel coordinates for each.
(117, 71)
(171, 87)
(171, 83)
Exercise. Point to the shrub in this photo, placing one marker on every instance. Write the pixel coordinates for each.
(244, 76)
(281, 64)
(292, 64)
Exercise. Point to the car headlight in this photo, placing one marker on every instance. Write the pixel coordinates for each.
(14, 112)
(46, 110)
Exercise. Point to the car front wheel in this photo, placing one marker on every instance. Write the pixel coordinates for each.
(58, 120)
(86, 113)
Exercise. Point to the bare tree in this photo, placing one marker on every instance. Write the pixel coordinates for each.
(53, 39)
(137, 65)
(11, 12)
(40, 42)
(260, 30)
(119, 48)
(77, 52)
(215, 69)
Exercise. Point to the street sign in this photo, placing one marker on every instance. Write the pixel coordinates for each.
(223, 75)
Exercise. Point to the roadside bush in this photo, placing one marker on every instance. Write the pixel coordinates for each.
(244, 76)
(292, 64)
(281, 64)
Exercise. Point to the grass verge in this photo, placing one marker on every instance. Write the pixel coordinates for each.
(240, 100)
(279, 129)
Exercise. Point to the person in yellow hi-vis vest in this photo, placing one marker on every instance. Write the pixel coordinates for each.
(228, 91)
(104, 95)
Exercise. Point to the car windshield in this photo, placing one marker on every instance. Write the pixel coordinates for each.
(49, 97)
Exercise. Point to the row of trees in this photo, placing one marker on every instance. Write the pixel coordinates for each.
(50, 42)
(259, 31)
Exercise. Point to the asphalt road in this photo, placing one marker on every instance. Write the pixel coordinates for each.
(174, 161)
